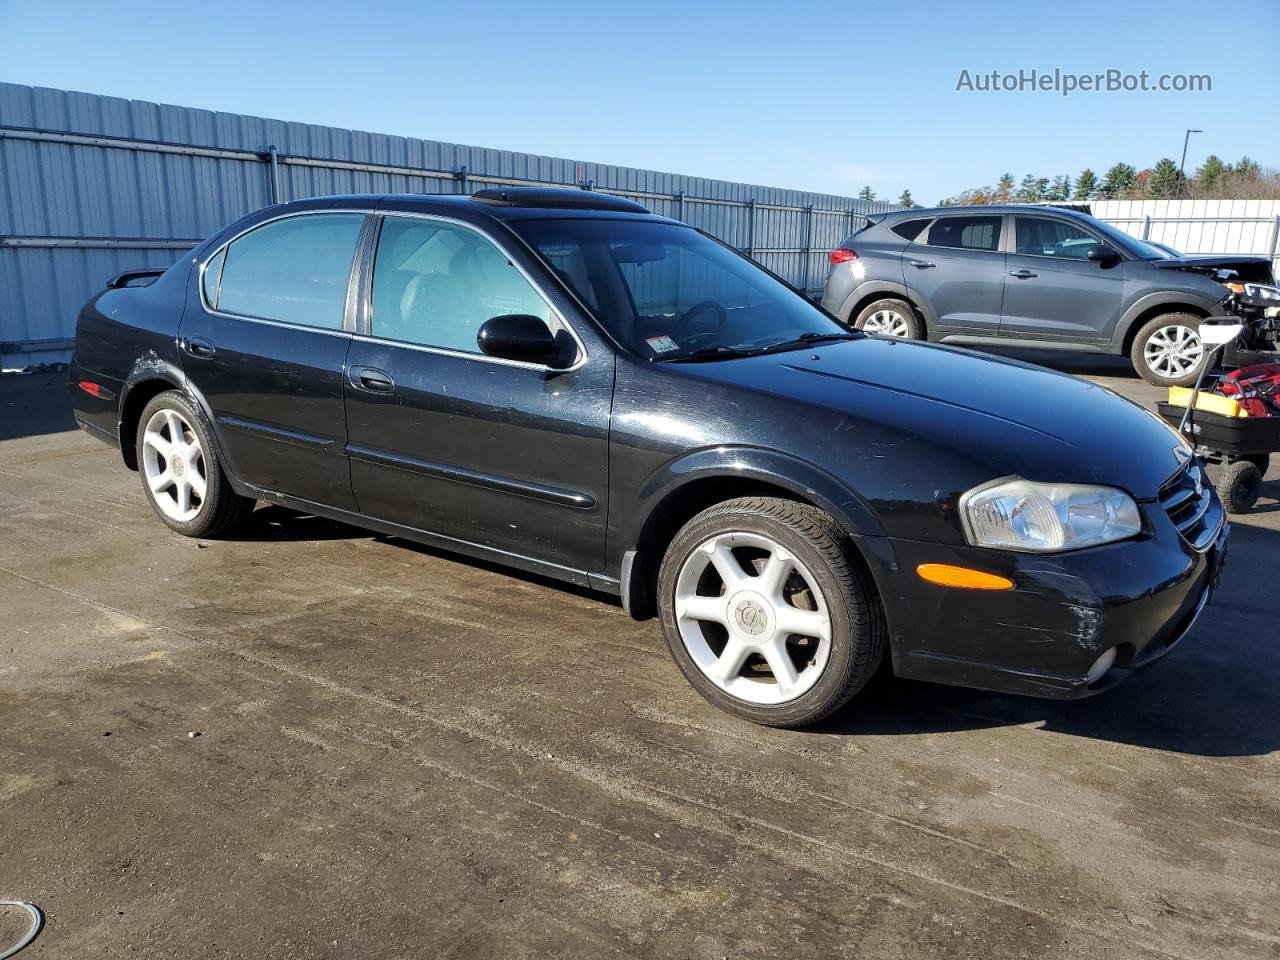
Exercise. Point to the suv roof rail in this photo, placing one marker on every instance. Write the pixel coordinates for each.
(564, 198)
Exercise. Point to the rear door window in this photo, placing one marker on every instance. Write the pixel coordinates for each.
(294, 270)
(966, 233)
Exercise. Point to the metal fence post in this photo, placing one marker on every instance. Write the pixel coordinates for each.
(273, 171)
(808, 245)
(1275, 240)
(461, 174)
(1146, 227)
(751, 227)
(679, 199)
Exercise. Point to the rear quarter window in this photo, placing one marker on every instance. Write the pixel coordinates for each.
(910, 229)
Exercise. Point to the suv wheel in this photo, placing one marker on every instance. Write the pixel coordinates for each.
(180, 472)
(889, 318)
(1168, 352)
(765, 614)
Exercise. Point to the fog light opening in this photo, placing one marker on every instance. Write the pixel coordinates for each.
(1101, 666)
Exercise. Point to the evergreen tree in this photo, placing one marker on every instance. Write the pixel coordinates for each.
(1060, 189)
(1032, 189)
(1246, 168)
(1119, 180)
(1086, 185)
(866, 193)
(1165, 182)
(1210, 173)
(905, 199)
(1004, 189)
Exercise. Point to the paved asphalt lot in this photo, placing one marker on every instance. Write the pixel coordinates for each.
(311, 741)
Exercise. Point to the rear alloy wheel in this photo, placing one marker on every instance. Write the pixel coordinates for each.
(765, 614)
(889, 318)
(180, 472)
(1168, 351)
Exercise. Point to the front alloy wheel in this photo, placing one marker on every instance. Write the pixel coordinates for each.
(762, 634)
(1168, 350)
(766, 611)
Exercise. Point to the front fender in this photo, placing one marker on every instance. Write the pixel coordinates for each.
(637, 553)
(1175, 300)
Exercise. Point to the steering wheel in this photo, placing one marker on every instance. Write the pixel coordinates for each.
(693, 311)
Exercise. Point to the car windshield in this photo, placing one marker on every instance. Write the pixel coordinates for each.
(671, 293)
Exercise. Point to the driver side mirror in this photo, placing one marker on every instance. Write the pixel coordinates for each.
(1104, 255)
(517, 336)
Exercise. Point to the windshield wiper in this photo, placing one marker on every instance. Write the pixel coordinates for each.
(805, 339)
(707, 353)
(730, 353)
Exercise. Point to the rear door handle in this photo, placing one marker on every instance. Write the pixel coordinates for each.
(922, 264)
(197, 347)
(371, 380)
(1023, 274)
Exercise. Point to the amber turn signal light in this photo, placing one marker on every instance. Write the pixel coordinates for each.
(946, 575)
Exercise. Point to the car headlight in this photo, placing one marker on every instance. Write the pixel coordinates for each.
(1047, 517)
(1259, 291)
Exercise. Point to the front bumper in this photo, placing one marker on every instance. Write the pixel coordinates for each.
(1141, 597)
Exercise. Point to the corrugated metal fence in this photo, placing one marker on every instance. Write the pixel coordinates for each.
(1199, 226)
(91, 185)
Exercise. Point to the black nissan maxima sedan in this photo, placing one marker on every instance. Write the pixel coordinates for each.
(560, 381)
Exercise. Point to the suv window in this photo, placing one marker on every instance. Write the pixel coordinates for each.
(296, 270)
(910, 229)
(967, 233)
(436, 283)
(1050, 237)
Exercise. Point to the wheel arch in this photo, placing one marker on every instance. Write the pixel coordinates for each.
(150, 377)
(881, 290)
(1145, 310)
(703, 479)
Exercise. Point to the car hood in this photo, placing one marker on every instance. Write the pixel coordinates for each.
(999, 417)
(1250, 269)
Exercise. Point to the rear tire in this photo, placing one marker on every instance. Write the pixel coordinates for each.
(181, 476)
(767, 614)
(1239, 485)
(1167, 350)
(889, 317)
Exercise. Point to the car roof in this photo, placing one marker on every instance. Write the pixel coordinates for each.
(504, 204)
(987, 208)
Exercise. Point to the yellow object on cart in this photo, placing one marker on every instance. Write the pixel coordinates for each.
(1208, 402)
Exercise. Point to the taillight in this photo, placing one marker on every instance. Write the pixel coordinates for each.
(91, 388)
(842, 255)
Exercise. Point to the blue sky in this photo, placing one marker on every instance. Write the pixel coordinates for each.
(820, 96)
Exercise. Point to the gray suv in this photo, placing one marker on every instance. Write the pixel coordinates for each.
(1030, 276)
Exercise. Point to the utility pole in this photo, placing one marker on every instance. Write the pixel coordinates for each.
(1182, 176)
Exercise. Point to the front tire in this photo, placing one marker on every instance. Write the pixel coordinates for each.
(181, 476)
(889, 317)
(765, 612)
(1168, 352)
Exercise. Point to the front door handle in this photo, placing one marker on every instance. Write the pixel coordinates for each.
(1023, 274)
(922, 264)
(371, 380)
(197, 347)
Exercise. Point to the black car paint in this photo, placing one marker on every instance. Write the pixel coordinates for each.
(578, 473)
